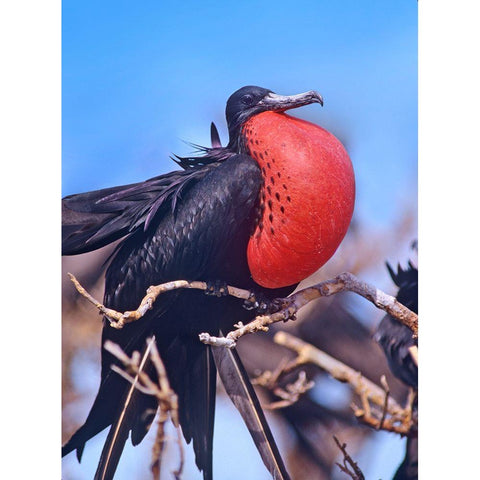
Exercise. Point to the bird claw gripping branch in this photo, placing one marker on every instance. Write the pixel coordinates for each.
(263, 305)
(217, 288)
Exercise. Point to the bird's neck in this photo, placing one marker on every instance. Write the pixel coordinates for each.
(237, 143)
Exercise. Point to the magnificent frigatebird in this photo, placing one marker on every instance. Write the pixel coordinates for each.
(262, 213)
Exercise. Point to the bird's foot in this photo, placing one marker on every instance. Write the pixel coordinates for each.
(261, 304)
(217, 288)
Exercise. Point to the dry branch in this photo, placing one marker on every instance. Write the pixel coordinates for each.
(383, 381)
(290, 394)
(119, 319)
(349, 466)
(307, 353)
(389, 414)
(166, 397)
(287, 310)
(341, 283)
(288, 307)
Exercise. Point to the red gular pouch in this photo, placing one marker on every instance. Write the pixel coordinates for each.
(307, 198)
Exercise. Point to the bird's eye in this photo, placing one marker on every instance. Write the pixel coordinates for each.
(247, 99)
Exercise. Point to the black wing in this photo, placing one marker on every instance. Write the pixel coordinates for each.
(94, 219)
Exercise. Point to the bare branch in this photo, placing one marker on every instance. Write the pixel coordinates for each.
(349, 466)
(289, 394)
(208, 339)
(119, 319)
(403, 426)
(166, 397)
(390, 415)
(379, 410)
(383, 381)
(307, 353)
(288, 306)
(413, 350)
(341, 283)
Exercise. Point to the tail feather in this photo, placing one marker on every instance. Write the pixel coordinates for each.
(192, 374)
(101, 415)
(240, 390)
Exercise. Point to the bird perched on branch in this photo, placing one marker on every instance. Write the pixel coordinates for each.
(262, 213)
(397, 341)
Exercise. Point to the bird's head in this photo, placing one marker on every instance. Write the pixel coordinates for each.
(251, 100)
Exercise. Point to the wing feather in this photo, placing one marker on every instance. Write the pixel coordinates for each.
(92, 220)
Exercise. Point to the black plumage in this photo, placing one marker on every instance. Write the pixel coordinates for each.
(396, 339)
(191, 224)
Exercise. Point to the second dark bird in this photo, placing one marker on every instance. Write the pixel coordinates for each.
(396, 341)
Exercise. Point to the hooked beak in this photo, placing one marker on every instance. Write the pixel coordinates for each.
(280, 103)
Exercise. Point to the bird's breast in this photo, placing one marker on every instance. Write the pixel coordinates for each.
(307, 199)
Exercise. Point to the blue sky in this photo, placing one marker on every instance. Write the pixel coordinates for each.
(140, 79)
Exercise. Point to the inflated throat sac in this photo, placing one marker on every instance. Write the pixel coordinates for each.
(307, 199)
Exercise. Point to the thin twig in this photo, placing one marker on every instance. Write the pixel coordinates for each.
(166, 397)
(383, 381)
(289, 394)
(355, 473)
